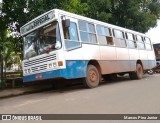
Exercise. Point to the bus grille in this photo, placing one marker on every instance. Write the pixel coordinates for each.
(40, 60)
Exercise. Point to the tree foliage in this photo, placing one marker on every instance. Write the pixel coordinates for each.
(139, 15)
(99, 9)
(136, 15)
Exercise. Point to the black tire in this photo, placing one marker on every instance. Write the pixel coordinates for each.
(138, 74)
(92, 78)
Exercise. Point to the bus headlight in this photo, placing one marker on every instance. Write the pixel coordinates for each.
(50, 65)
(29, 70)
(54, 64)
(25, 71)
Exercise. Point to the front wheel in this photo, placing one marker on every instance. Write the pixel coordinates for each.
(138, 74)
(92, 78)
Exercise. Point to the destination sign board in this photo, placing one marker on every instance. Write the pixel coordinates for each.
(41, 20)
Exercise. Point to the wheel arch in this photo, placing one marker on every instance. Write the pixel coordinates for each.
(96, 64)
(138, 73)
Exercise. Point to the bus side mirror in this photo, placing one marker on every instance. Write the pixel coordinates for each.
(66, 23)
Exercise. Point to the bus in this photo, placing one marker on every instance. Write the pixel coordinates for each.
(60, 44)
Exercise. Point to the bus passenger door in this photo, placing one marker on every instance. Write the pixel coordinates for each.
(75, 67)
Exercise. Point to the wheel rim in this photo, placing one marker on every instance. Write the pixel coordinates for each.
(92, 76)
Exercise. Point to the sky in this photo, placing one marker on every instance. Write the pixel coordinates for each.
(154, 33)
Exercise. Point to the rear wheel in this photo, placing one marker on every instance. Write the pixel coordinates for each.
(138, 74)
(92, 78)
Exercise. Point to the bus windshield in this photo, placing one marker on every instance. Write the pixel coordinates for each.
(42, 40)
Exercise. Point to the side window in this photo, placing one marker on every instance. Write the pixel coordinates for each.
(118, 34)
(71, 32)
(147, 40)
(130, 40)
(130, 36)
(92, 34)
(140, 42)
(147, 43)
(87, 32)
(71, 36)
(139, 38)
(82, 25)
(103, 30)
(119, 38)
(91, 28)
(104, 35)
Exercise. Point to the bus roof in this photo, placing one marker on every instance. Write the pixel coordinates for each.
(85, 19)
(97, 21)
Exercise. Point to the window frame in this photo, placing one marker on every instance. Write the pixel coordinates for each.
(148, 43)
(119, 39)
(88, 32)
(105, 36)
(140, 42)
(68, 41)
(129, 40)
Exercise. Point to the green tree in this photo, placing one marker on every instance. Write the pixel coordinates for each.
(99, 9)
(75, 6)
(139, 15)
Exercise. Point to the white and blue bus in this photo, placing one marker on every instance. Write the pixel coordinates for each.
(59, 44)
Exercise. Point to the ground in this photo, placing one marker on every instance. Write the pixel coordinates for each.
(123, 96)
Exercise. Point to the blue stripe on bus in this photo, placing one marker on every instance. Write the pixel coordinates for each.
(77, 69)
(74, 69)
